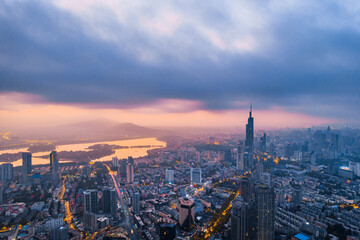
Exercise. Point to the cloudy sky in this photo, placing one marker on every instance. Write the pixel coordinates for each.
(189, 63)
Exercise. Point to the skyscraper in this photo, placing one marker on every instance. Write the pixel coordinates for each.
(6, 171)
(263, 143)
(328, 134)
(130, 173)
(106, 200)
(296, 195)
(195, 175)
(259, 169)
(113, 205)
(186, 213)
(26, 162)
(240, 164)
(54, 165)
(1, 193)
(90, 201)
(244, 190)
(109, 201)
(265, 204)
(136, 202)
(243, 220)
(319, 141)
(249, 141)
(169, 176)
(334, 145)
(123, 167)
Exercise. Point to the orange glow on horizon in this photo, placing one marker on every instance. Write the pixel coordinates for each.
(18, 112)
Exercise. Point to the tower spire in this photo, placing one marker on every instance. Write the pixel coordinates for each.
(250, 108)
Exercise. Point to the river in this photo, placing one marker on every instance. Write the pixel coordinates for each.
(120, 153)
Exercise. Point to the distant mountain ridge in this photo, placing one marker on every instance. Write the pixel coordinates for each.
(95, 129)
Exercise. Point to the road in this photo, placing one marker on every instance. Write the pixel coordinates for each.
(68, 216)
(129, 222)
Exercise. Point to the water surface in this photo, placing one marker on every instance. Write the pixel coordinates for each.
(120, 153)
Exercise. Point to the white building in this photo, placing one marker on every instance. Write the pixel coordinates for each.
(115, 162)
(196, 175)
(169, 176)
(355, 168)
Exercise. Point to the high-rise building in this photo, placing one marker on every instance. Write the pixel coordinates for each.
(109, 201)
(244, 190)
(90, 201)
(1, 193)
(196, 175)
(114, 206)
(26, 165)
(106, 200)
(54, 166)
(296, 195)
(328, 134)
(240, 164)
(265, 205)
(169, 176)
(259, 169)
(123, 168)
(130, 173)
(115, 162)
(186, 213)
(89, 220)
(355, 168)
(263, 143)
(319, 141)
(6, 171)
(136, 202)
(249, 141)
(334, 145)
(243, 220)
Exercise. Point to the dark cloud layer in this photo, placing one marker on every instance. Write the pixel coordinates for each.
(305, 60)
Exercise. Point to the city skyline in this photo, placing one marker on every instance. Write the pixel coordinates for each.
(295, 184)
